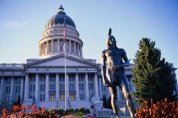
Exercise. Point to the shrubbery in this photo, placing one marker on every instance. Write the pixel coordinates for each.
(20, 111)
(163, 109)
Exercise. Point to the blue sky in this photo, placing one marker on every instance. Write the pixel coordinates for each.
(22, 23)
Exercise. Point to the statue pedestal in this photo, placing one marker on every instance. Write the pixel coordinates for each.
(96, 102)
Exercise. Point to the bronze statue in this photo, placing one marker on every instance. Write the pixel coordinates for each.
(113, 73)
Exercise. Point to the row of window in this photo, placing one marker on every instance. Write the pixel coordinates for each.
(52, 77)
(16, 89)
(52, 97)
(52, 87)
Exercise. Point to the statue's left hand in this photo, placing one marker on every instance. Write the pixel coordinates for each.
(127, 63)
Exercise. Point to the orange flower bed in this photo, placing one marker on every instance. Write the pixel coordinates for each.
(28, 112)
(163, 109)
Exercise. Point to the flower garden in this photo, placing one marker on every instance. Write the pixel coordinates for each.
(162, 109)
(20, 111)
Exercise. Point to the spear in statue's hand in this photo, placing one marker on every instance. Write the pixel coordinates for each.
(109, 33)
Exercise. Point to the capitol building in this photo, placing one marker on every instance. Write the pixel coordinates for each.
(42, 81)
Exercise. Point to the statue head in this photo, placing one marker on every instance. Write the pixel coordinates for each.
(111, 41)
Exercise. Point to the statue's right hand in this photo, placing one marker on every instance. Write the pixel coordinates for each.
(106, 82)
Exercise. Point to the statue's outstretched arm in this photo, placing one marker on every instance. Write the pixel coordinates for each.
(103, 70)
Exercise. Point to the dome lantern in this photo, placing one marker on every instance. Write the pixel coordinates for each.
(61, 9)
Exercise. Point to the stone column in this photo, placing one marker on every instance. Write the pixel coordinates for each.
(26, 86)
(11, 90)
(1, 92)
(78, 49)
(21, 88)
(47, 88)
(47, 47)
(77, 87)
(52, 46)
(74, 47)
(70, 46)
(58, 45)
(96, 85)
(42, 48)
(57, 86)
(100, 87)
(86, 86)
(37, 87)
(67, 86)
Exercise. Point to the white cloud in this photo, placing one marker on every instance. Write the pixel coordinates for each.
(17, 24)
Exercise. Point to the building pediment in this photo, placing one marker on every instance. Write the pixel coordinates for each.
(59, 61)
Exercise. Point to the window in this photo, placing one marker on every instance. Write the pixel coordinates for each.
(52, 78)
(61, 77)
(61, 42)
(32, 78)
(82, 96)
(42, 78)
(7, 89)
(81, 77)
(90, 86)
(72, 46)
(77, 48)
(7, 80)
(67, 45)
(61, 87)
(52, 97)
(52, 87)
(62, 97)
(71, 87)
(72, 77)
(17, 81)
(42, 87)
(17, 89)
(55, 45)
(72, 96)
(7, 98)
(42, 97)
(81, 86)
(32, 96)
(80, 52)
(32, 87)
(90, 77)
(49, 47)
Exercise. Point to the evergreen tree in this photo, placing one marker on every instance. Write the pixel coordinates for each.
(153, 76)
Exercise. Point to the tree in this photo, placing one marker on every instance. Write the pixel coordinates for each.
(153, 76)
